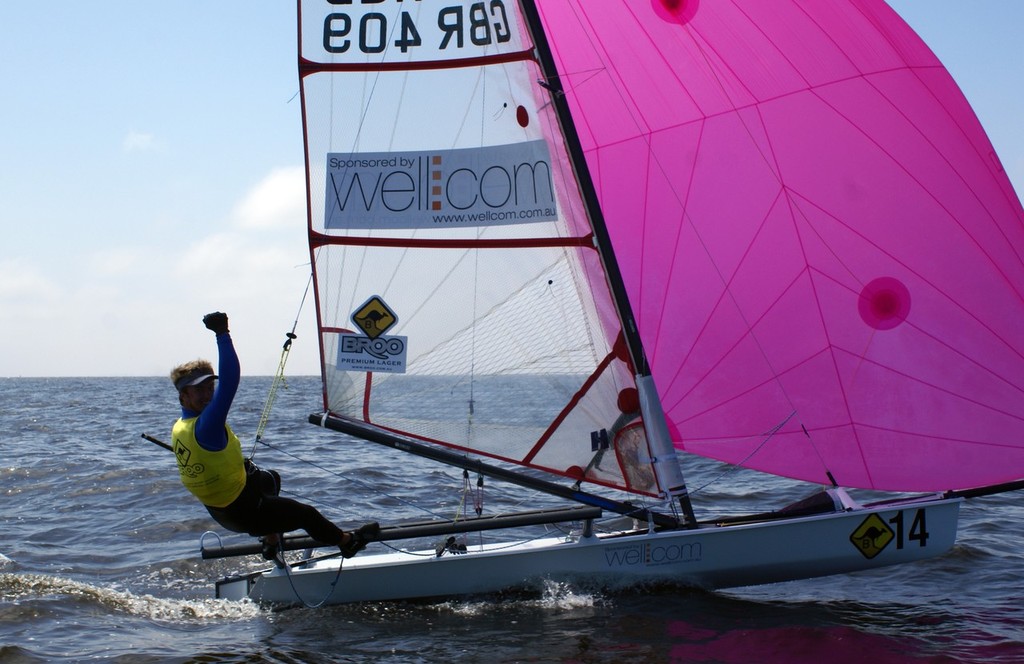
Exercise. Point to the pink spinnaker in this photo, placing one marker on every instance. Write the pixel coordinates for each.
(820, 245)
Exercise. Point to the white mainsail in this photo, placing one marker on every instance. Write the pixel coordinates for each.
(443, 204)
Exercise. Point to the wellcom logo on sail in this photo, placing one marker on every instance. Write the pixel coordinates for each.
(488, 186)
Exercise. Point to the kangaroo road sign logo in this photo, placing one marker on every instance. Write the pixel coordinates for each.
(872, 536)
(374, 318)
(372, 351)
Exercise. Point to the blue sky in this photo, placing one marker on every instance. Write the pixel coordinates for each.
(151, 172)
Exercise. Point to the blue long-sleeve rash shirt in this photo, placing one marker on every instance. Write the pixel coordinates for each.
(210, 432)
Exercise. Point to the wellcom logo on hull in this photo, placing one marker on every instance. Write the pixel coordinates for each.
(491, 186)
(651, 554)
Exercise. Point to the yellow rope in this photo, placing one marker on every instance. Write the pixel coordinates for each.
(278, 381)
(279, 375)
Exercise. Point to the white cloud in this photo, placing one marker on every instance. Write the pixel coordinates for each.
(137, 141)
(118, 260)
(278, 201)
(137, 310)
(256, 271)
(22, 282)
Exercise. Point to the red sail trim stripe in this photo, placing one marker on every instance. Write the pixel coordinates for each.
(569, 407)
(319, 239)
(369, 374)
(366, 395)
(307, 67)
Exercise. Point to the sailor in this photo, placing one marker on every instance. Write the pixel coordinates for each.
(237, 494)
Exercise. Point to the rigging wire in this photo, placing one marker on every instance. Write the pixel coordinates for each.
(348, 478)
(736, 466)
(279, 375)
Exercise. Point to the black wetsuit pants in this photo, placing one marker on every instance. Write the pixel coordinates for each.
(259, 510)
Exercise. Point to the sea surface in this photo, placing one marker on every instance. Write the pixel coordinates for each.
(99, 559)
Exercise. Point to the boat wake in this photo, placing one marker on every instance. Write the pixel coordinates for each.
(28, 587)
(548, 595)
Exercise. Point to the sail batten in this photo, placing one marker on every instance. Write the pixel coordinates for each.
(311, 67)
(317, 240)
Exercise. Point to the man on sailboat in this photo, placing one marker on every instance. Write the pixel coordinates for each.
(237, 494)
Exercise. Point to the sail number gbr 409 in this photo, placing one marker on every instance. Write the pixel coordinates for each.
(366, 28)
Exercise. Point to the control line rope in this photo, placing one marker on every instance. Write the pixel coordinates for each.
(279, 375)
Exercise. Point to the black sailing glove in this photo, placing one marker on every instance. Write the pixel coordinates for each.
(217, 321)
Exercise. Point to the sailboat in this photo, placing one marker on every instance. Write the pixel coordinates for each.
(569, 244)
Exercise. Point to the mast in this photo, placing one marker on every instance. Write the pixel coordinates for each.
(666, 460)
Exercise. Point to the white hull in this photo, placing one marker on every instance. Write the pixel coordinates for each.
(707, 557)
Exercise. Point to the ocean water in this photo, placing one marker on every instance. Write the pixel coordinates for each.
(99, 559)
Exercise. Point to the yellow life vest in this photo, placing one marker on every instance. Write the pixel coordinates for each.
(215, 478)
